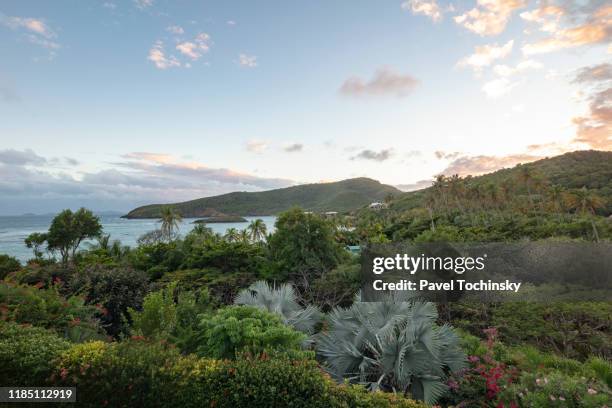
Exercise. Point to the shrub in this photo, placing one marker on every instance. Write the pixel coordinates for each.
(124, 374)
(171, 315)
(138, 373)
(27, 354)
(576, 330)
(8, 264)
(237, 329)
(539, 390)
(116, 290)
(45, 307)
(222, 286)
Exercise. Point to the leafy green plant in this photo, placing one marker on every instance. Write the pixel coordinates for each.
(47, 308)
(172, 315)
(27, 354)
(392, 345)
(8, 264)
(236, 329)
(115, 289)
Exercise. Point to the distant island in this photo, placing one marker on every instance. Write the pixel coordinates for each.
(340, 196)
(221, 219)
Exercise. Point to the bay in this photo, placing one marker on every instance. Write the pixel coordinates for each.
(14, 229)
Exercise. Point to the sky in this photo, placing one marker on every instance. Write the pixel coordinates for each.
(114, 104)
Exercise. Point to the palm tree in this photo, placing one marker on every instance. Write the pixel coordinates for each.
(393, 345)
(232, 235)
(556, 197)
(170, 220)
(244, 236)
(526, 176)
(281, 300)
(257, 230)
(585, 201)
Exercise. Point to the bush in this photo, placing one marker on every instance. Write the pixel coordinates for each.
(576, 330)
(27, 354)
(238, 329)
(139, 373)
(116, 290)
(8, 264)
(124, 374)
(45, 307)
(171, 315)
(222, 286)
(539, 390)
(526, 377)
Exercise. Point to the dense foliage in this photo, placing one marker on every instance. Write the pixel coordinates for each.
(174, 339)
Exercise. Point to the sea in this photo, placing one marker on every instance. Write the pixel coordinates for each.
(14, 229)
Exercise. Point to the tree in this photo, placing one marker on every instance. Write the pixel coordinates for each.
(170, 221)
(585, 201)
(232, 235)
(303, 247)
(69, 229)
(35, 241)
(257, 230)
(393, 345)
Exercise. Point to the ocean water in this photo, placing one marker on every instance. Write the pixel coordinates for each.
(14, 229)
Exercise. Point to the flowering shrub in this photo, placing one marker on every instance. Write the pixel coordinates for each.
(45, 307)
(484, 381)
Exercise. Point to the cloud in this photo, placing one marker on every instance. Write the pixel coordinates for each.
(158, 56)
(71, 161)
(195, 49)
(230, 22)
(21, 158)
(489, 17)
(596, 73)
(497, 88)
(257, 146)
(139, 179)
(368, 154)
(175, 29)
(421, 184)
(594, 128)
(569, 27)
(429, 8)
(38, 32)
(385, 82)
(143, 4)
(249, 61)
(506, 71)
(477, 165)
(34, 25)
(440, 154)
(295, 147)
(109, 5)
(484, 55)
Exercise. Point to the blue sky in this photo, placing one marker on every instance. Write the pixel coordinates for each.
(112, 104)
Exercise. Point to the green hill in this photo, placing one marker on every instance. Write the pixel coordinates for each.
(339, 196)
(591, 169)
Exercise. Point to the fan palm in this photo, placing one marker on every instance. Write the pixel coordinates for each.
(393, 345)
(281, 300)
(170, 220)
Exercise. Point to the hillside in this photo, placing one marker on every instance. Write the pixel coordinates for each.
(345, 195)
(574, 170)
